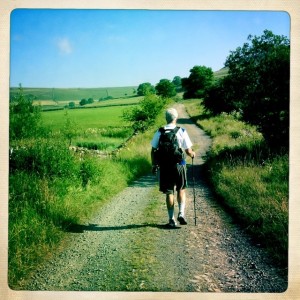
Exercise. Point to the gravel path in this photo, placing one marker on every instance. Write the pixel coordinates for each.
(127, 248)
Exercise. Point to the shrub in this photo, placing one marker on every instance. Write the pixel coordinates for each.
(258, 84)
(165, 88)
(83, 102)
(90, 101)
(71, 104)
(43, 157)
(24, 117)
(88, 170)
(144, 115)
(70, 129)
(145, 89)
(196, 85)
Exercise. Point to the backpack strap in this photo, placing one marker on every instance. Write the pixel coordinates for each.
(176, 129)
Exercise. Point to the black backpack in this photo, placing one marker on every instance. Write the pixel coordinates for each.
(169, 152)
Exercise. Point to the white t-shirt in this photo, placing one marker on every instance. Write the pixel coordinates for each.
(182, 136)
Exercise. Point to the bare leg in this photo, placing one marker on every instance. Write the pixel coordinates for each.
(181, 198)
(170, 205)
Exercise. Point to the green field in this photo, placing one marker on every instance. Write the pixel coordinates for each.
(57, 99)
(73, 94)
(99, 128)
(85, 118)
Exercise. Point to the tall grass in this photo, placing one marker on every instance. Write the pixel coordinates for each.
(105, 139)
(248, 178)
(52, 188)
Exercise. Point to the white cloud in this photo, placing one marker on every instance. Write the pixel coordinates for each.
(64, 46)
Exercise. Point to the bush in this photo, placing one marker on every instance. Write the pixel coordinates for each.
(221, 96)
(70, 129)
(83, 102)
(90, 101)
(165, 88)
(71, 104)
(257, 84)
(24, 117)
(145, 89)
(43, 157)
(143, 116)
(196, 85)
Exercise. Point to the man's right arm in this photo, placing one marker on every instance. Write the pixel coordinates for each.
(153, 156)
(154, 163)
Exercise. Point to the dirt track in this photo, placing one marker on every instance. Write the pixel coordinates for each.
(127, 248)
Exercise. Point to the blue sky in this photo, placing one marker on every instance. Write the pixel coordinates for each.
(106, 48)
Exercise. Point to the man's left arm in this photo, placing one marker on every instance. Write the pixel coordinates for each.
(190, 152)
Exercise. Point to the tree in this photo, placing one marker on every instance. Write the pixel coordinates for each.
(144, 115)
(259, 74)
(69, 129)
(90, 101)
(24, 117)
(178, 83)
(216, 99)
(196, 85)
(83, 102)
(145, 89)
(165, 88)
(71, 104)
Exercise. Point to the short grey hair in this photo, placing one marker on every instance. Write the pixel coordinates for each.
(171, 114)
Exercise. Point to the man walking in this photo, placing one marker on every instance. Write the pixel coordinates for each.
(167, 154)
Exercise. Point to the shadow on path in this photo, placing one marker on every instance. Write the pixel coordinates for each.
(78, 228)
(145, 181)
(182, 121)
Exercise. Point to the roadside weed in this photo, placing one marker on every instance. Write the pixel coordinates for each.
(248, 178)
(53, 188)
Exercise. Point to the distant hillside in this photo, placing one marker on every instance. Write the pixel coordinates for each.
(76, 94)
(55, 95)
(221, 73)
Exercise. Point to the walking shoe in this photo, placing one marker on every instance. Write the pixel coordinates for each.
(181, 219)
(171, 224)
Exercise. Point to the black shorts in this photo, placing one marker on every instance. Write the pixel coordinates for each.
(171, 177)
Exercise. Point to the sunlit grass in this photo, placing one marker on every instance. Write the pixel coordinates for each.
(85, 118)
(52, 188)
(248, 177)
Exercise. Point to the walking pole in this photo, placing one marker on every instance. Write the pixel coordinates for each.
(194, 191)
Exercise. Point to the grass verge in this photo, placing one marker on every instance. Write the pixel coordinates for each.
(52, 188)
(250, 180)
